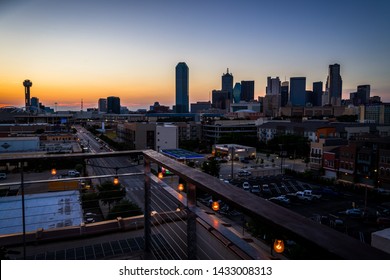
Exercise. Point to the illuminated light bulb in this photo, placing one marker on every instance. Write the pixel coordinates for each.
(215, 206)
(53, 171)
(160, 175)
(180, 187)
(279, 246)
(116, 180)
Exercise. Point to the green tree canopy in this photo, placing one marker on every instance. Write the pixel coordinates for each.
(124, 208)
(110, 193)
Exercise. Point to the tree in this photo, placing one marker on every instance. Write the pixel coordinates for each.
(124, 208)
(90, 200)
(110, 193)
(79, 167)
(211, 167)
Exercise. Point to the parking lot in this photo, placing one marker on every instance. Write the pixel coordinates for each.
(328, 208)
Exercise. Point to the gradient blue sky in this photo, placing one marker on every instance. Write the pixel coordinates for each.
(91, 49)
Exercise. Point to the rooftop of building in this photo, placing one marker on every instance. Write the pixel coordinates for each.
(45, 210)
(179, 154)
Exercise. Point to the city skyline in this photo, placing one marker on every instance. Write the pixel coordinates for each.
(94, 49)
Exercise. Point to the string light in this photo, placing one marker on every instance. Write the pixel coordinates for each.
(180, 187)
(116, 180)
(215, 205)
(279, 246)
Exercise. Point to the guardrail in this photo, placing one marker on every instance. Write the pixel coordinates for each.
(320, 242)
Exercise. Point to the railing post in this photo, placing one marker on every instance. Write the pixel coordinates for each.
(191, 222)
(147, 214)
(23, 208)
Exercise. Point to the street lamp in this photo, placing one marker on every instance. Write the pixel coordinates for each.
(232, 158)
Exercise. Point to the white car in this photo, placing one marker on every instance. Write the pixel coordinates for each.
(246, 186)
(244, 173)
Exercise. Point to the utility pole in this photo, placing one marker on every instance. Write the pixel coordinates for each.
(281, 158)
(232, 158)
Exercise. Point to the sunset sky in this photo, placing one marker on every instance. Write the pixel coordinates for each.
(73, 49)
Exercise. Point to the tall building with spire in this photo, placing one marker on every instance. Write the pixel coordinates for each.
(227, 83)
(334, 85)
(182, 88)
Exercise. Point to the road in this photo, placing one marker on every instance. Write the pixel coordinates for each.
(161, 201)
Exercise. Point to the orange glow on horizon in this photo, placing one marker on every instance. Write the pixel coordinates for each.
(70, 95)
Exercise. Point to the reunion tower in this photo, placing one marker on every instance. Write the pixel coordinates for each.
(27, 84)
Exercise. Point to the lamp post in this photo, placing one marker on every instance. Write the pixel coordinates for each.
(232, 158)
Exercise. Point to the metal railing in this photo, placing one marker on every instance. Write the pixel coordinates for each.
(319, 242)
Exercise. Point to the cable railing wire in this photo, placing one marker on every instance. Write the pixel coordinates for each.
(157, 248)
(161, 228)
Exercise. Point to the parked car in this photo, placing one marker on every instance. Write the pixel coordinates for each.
(246, 186)
(307, 195)
(354, 212)
(244, 173)
(73, 173)
(265, 189)
(255, 189)
(282, 199)
(89, 217)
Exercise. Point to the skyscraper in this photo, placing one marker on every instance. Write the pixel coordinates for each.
(361, 96)
(298, 91)
(247, 90)
(284, 94)
(102, 105)
(334, 85)
(237, 93)
(220, 99)
(273, 86)
(363, 92)
(227, 83)
(317, 93)
(182, 96)
(113, 105)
